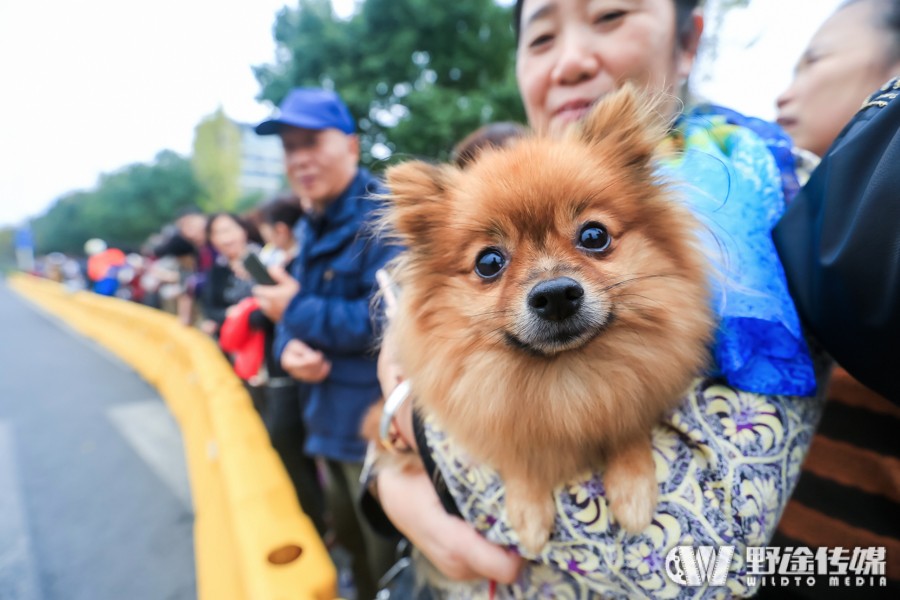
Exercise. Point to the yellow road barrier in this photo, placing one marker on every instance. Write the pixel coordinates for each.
(252, 540)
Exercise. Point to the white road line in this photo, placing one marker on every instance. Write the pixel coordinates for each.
(18, 574)
(150, 429)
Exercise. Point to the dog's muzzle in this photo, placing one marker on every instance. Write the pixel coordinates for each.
(558, 317)
(556, 299)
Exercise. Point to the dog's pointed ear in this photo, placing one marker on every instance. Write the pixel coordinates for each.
(629, 120)
(418, 198)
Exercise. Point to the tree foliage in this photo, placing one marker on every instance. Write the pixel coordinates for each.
(216, 162)
(419, 75)
(714, 12)
(124, 209)
(7, 249)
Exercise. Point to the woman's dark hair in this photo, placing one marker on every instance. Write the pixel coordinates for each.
(251, 231)
(174, 245)
(887, 18)
(283, 209)
(684, 25)
(493, 135)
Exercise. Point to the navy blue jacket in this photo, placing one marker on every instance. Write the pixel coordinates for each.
(336, 268)
(839, 243)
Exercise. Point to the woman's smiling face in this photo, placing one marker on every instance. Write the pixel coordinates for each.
(572, 52)
(228, 237)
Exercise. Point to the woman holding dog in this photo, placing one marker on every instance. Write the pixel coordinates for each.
(571, 53)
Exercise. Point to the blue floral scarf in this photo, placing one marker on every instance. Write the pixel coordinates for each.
(736, 184)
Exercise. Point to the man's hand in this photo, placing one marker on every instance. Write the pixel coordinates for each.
(303, 363)
(274, 299)
(451, 544)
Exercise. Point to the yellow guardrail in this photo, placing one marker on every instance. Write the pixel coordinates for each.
(252, 540)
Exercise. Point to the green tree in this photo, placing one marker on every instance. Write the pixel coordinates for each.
(418, 75)
(714, 12)
(7, 248)
(124, 209)
(217, 161)
(65, 226)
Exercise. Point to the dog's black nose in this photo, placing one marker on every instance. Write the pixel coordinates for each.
(556, 299)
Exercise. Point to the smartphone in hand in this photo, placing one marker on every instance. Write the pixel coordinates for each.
(257, 269)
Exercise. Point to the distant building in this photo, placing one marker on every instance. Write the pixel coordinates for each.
(261, 163)
(235, 167)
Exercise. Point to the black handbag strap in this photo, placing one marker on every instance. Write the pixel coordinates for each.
(440, 485)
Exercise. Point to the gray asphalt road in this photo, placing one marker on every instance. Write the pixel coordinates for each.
(94, 502)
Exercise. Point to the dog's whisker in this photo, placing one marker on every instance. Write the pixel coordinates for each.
(493, 313)
(635, 279)
(653, 301)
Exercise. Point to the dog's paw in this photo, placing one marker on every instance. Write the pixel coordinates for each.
(534, 530)
(531, 517)
(631, 487)
(632, 502)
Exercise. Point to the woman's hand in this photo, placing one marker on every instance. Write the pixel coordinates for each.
(237, 267)
(274, 299)
(389, 372)
(452, 545)
(389, 377)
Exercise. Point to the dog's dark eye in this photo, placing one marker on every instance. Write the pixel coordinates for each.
(489, 263)
(594, 237)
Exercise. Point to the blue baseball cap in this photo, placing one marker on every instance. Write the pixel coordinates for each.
(310, 108)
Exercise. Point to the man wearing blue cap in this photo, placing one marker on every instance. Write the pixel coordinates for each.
(324, 334)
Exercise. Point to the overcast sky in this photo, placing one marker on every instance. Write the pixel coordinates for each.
(87, 87)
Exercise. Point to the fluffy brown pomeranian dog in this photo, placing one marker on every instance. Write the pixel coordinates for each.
(554, 305)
